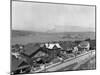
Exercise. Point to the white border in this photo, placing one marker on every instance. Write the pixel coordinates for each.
(5, 36)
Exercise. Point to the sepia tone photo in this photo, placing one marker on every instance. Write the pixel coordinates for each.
(52, 37)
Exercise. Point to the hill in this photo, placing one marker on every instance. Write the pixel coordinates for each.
(20, 33)
(24, 37)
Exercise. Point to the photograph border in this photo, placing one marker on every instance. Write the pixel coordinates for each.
(58, 4)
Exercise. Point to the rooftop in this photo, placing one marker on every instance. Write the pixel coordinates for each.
(31, 48)
(15, 63)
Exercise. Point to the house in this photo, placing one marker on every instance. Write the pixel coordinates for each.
(30, 48)
(22, 65)
(16, 64)
(51, 45)
(39, 52)
(26, 59)
(84, 45)
(34, 53)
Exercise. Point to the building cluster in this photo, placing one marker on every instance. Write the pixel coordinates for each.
(45, 54)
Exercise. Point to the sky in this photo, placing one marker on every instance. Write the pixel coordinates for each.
(45, 17)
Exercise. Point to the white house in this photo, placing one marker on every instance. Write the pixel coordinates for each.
(51, 45)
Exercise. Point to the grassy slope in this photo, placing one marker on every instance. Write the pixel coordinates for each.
(89, 65)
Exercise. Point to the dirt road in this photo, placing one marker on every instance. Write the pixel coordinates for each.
(80, 59)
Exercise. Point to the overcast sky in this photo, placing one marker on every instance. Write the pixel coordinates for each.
(44, 17)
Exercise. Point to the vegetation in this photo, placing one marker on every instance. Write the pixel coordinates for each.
(89, 65)
(30, 49)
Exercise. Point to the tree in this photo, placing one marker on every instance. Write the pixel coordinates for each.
(88, 39)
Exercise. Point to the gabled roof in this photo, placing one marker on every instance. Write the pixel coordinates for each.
(17, 63)
(52, 45)
(31, 48)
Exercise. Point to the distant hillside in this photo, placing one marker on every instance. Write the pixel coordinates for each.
(20, 33)
(78, 35)
(24, 37)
